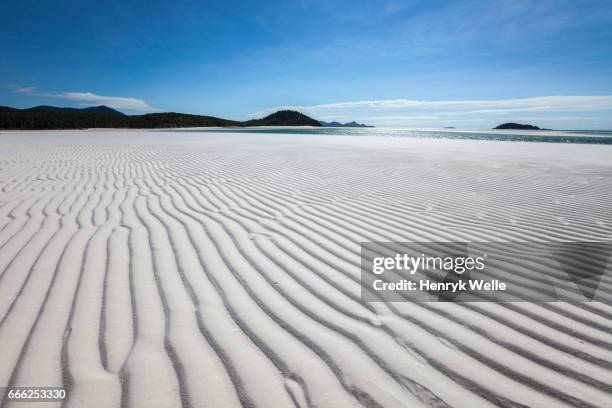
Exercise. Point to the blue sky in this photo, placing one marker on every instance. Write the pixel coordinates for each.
(469, 64)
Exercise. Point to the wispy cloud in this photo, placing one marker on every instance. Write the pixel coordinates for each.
(22, 89)
(408, 111)
(552, 103)
(117, 102)
(89, 98)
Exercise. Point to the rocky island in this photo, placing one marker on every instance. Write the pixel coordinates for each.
(349, 124)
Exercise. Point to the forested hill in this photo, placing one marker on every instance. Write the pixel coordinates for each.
(92, 109)
(49, 117)
(284, 118)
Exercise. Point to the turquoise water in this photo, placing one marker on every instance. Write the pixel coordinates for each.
(584, 137)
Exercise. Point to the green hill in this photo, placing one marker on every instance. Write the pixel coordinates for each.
(92, 109)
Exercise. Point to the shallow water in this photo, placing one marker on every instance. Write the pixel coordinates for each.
(541, 136)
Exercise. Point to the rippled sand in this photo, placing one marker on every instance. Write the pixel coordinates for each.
(165, 269)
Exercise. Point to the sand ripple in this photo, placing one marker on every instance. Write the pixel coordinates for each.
(143, 269)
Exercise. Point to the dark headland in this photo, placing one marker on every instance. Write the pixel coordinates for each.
(51, 117)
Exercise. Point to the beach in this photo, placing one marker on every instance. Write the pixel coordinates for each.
(172, 268)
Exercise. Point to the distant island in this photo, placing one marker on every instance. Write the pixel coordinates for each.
(518, 126)
(349, 124)
(51, 117)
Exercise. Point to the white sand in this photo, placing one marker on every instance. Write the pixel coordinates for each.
(160, 269)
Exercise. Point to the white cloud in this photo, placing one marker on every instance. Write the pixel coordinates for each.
(398, 112)
(117, 102)
(551, 103)
(334, 117)
(400, 118)
(22, 89)
(89, 98)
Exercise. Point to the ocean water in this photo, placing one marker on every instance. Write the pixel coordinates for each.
(539, 136)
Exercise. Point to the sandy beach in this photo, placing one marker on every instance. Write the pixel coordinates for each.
(166, 269)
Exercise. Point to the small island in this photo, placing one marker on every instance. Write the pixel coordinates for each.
(518, 126)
